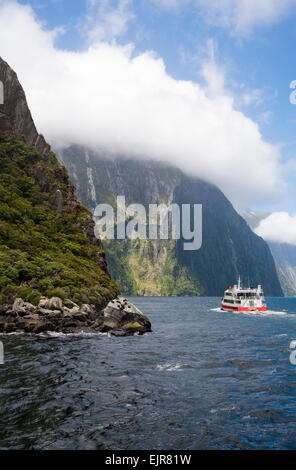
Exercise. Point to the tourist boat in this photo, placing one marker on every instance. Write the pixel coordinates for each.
(243, 299)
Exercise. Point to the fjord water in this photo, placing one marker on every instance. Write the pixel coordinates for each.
(204, 379)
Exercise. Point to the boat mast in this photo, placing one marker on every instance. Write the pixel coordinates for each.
(239, 282)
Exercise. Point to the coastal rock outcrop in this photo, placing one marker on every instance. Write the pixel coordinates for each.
(118, 318)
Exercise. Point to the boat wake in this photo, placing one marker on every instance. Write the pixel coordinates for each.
(257, 313)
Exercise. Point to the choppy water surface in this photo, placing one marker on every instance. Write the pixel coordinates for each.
(204, 379)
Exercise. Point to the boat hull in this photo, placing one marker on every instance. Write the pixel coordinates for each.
(229, 308)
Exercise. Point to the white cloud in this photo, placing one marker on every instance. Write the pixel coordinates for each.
(109, 98)
(278, 227)
(265, 117)
(213, 75)
(254, 97)
(105, 21)
(239, 16)
(172, 4)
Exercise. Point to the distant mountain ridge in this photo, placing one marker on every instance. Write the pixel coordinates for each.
(284, 255)
(159, 267)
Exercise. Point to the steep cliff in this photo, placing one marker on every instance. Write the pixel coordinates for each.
(163, 268)
(16, 116)
(146, 267)
(47, 242)
(229, 246)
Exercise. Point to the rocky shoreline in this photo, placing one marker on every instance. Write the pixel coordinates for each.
(118, 318)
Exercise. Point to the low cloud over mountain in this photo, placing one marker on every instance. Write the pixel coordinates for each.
(109, 98)
(278, 227)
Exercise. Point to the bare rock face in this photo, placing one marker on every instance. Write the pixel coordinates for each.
(119, 318)
(17, 117)
(57, 200)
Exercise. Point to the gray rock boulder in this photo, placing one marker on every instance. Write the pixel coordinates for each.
(18, 305)
(69, 304)
(122, 315)
(55, 303)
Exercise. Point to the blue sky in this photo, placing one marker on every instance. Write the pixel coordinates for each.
(249, 45)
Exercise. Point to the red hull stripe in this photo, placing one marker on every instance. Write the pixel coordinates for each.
(244, 309)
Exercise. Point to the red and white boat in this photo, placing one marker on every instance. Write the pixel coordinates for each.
(243, 299)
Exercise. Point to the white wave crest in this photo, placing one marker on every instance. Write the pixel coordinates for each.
(171, 366)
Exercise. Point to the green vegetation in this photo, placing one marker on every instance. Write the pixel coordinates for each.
(149, 267)
(45, 251)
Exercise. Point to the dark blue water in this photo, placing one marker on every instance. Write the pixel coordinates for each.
(204, 379)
